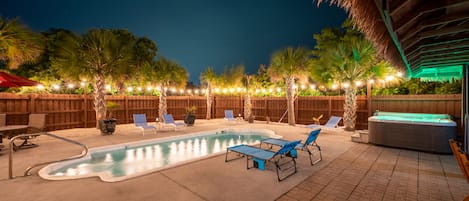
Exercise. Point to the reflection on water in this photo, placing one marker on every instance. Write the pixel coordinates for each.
(128, 161)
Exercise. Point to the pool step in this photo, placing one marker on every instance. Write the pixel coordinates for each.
(361, 136)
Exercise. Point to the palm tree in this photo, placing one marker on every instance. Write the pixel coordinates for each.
(259, 80)
(287, 65)
(167, 73)
(94, 55)
(18, 44)
(209, 78)
(345, 57)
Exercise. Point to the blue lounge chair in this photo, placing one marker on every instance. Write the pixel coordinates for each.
(332, 123)
(140, 121)
(229, 115)
(261, 156)
(310, 142)
(169, 121)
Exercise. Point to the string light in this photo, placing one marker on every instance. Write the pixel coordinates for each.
(70, 86)
(345, 85)
(56, 87)
(181, 91)
(196, 91)
(224, 90)
(312, 86)
(139, 88)
(40, 87)
(358, 83)
(334, 86)
(232, 90)
(149, 88)
(371, 81)
(173, 90)
(130, 89)
(82, 84)
(108, 87)
(303, 86)
(399, 74)
(279, 89)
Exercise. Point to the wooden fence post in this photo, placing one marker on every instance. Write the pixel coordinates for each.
(85, 108)
(368, 97)
(296, 108)
(32, 103)
(330, 106)
(126, 107)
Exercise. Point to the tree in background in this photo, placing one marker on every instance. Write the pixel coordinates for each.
(95, 56)
(167, 73)
(18, 44)
(143, 54)
(208, 79)
(287, 65)
(345, 57)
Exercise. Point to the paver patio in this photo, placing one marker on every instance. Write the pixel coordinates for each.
(349, 171)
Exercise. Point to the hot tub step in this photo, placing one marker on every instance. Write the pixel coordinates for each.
(361, 136)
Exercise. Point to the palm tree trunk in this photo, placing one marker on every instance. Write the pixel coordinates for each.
(290, 100)
(350, 108)
(120, 87)
(162, 107)
(99, 93)
(209, 96)
(247, 106)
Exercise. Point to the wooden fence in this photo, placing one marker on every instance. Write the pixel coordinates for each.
(76, 111)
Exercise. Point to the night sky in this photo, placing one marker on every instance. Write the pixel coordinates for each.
(196, 34)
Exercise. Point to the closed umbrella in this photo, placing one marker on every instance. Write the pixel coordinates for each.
(8, 80)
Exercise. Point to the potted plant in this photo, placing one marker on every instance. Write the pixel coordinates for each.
(108, 125)
(189, 117)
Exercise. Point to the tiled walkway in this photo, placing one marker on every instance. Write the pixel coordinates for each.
(367, 172)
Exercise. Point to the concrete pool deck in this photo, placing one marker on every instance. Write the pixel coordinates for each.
(349, 171)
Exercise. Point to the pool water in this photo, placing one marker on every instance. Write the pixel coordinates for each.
(121, 162)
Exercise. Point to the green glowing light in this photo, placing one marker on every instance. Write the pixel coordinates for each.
(439, 74)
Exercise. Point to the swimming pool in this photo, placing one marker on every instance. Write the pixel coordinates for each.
(122, 161)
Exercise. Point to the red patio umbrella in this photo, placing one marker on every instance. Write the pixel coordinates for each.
(9, 80)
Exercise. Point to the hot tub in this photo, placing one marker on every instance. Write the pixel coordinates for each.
(423, 132)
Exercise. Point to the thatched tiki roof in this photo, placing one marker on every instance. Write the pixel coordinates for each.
(414, 34)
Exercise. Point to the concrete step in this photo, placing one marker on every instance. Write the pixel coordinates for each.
(356, 137)
(361, 137)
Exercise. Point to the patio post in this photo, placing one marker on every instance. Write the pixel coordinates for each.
(465, 107)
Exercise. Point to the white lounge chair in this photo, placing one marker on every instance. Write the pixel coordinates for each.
(140, 121)
(332, 123)
(169, 121)
(229, 115)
